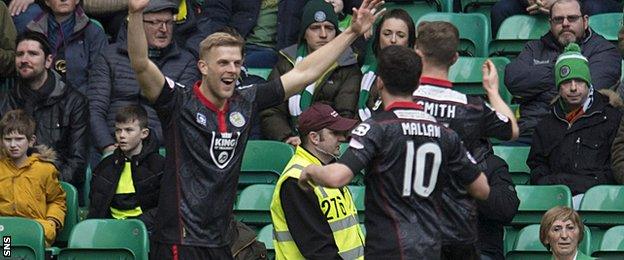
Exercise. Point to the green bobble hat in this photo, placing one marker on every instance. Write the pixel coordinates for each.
(571, 64)
(317, 11)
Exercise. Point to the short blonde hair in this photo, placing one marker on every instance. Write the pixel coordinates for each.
(218, 39)
(559, 213)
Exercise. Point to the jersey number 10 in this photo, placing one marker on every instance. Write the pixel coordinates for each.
(417, 183)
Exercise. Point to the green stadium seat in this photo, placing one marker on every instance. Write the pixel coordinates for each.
(261, 72)
(265, 235)
(602, 206)
(357, 192)
(528, 245)
(264, 161)
(467, 77)
(71, 216)
(27, 239)
(96, 239)
(515, 31)
(516, 157)
(607, 24)
(254, 204)
(474, 31)
(612, 244)
(417, 9)
(536, 200)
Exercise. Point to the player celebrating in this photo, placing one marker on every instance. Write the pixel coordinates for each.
(474, 121)
(408, 158)
(206, 128)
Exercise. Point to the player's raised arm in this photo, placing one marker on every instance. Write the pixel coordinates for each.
(479, 188)
(310, 68)
(334, 175)
(491, 85)
(150, 79)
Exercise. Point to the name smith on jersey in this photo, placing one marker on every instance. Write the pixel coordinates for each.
(438, 110)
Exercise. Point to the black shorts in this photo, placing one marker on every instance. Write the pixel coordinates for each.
(179, 252)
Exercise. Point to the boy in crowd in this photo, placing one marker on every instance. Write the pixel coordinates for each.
(27, 173)
(126, 184)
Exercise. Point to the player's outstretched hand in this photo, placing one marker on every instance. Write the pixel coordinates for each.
(365, 16)
(490, 77)
(137, 6)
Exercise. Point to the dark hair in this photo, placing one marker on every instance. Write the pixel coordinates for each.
(18, 121)
(399, 68)
(131, 113)
(396, 14)
(35, 36)
(567, 1)
(438, 41)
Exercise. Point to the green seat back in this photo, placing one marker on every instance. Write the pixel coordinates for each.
(612, 244)
(602, 205)
(474, 31)
(264, 161)
(528, 244)
(357, 192)
(516, 157)
(467, 77)
(261, 72)
(103, 234)
(265, 235)
(87, 186)
(515, 31)
(254, 204)
(606, 24)
(27, 239)
(71, 215)
(536, 200)
(416, 9)
(95, 254)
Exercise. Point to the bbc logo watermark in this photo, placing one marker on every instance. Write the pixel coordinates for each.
(6, 246)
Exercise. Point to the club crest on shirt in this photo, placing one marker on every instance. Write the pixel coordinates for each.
(201, 119)
(237, 119)
(222, 148)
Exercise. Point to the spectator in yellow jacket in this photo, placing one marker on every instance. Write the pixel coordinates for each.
(29, 180)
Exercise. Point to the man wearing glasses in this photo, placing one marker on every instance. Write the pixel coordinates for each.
(112, 82)
(530, 76)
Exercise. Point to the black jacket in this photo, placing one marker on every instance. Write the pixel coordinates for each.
(113, 85)
(579, 154)
(147, 170)
(530, 76)
(62, 119)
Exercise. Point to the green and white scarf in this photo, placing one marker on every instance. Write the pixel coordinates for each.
(368, 78)
(300, 102)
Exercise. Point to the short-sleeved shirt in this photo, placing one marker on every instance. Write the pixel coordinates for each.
(474, 121)
(205, 147)
(409, 158)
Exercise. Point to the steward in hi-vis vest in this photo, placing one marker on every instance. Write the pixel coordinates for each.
(321, 223)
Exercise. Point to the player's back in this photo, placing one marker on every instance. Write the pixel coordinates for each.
(412, 157)
(469, 116)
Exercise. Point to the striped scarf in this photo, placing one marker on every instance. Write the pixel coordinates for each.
(300, 102)
(368, 78)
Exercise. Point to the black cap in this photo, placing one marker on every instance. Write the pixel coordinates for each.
(159, 5)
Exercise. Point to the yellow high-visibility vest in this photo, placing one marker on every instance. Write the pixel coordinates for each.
(337, 206)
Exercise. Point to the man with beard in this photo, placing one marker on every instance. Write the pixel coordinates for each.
(60, 111)
(530, 77)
